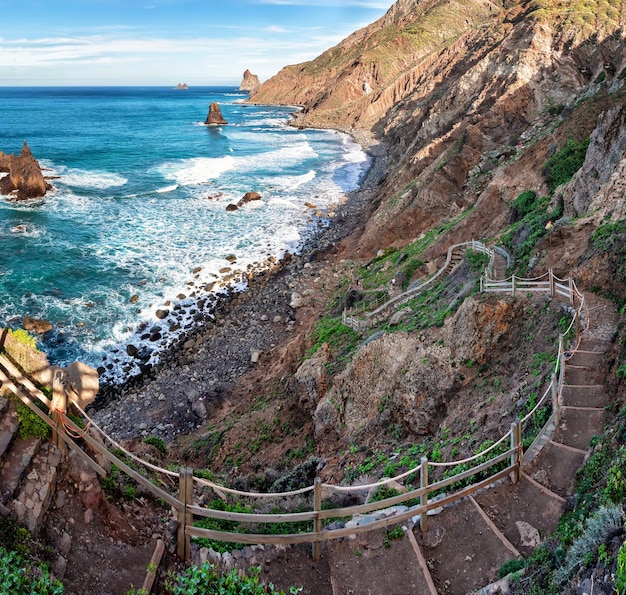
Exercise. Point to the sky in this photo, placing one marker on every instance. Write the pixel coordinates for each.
(166, 42)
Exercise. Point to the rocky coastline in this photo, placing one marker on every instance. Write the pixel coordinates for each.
(236, 332)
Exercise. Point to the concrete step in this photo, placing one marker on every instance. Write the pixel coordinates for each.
(555, 468)
(8, 428)
(593, 344)
(590, 359)
(35, 493)
(523, 512)
(357, 565)
(461, 549)
(578, 426)
(593, 396)
(585, 375)
(15, 464)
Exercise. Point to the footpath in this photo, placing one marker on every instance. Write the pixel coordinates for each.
(466, 543)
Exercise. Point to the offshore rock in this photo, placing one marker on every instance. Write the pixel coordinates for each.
(250, 82)
(36, 325)
(24, 175)
(215, 118)
(249, 197)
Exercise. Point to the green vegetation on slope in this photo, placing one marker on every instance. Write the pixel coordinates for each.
(206, 580)
(583, 535)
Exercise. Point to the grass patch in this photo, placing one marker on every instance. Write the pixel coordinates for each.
(208, 579)
(562, 166)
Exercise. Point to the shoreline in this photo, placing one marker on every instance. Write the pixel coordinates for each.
(177, 394)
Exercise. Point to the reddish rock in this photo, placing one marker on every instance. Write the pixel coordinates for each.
(250, 82)
(249, 197)
(24, 175)
(36, 325)
(215, 115)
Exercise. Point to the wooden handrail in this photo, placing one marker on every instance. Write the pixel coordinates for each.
(25, 390)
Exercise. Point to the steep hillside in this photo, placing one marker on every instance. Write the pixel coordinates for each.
(502, 121)
(456, 89)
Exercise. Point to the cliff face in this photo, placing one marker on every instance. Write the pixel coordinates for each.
(460, 90)
(471, 99)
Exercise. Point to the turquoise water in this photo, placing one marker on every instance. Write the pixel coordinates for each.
(139, 204)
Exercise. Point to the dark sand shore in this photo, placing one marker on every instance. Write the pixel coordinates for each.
(196, 374)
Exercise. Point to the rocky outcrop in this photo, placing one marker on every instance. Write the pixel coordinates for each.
(457, 90)
(36, 325)
(182, 87)
(250, 82)
(214, 117)
(25, 175)
(600, 184)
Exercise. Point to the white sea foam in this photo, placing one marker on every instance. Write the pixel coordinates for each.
(198, 170)
(166, 189)
(99, 180)
(289, 182)
(27, 230)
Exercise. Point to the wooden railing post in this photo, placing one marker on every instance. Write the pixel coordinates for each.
(58, 407)
(551, 278)
(424, 497)
(185, 496)
(570, 284)
(513, 285)
(516, 447)
(555, 398)
(317, 523)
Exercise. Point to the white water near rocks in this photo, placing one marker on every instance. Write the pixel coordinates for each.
(137, 219)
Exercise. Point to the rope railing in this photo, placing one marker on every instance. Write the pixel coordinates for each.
(349, 316)
(68, 432)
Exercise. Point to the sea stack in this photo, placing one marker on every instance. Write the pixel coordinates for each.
(215, 115)
(24, 175)
(250, 82)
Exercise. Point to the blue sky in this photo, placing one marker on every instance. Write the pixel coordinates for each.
(165, 42)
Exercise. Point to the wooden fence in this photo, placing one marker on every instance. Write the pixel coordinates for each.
(356, 319)
(506, 457)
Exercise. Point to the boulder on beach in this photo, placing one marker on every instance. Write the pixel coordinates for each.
(84, 381)
(215, 118)
(232, 207)
(24, 175)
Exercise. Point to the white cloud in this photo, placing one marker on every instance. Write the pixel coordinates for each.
(276, 29)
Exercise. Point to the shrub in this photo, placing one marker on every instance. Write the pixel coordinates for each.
(22, 336)
(31, 425)
(158, 443)
(620, 571)
(20, 577)
(206, 579)
(512, 565)
(595, 531)
(523, 204)
(561, 167)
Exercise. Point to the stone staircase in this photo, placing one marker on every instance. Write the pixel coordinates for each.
(468, 542)
(28, 472)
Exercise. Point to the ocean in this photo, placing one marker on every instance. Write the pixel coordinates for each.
(137, 219)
